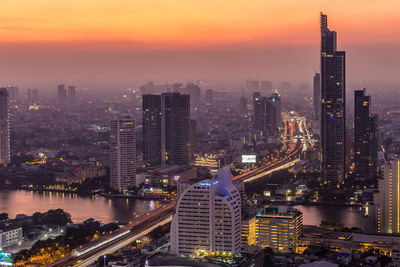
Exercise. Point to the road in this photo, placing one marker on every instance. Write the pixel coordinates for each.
(293, 125)
(146, 224)
(137, 229)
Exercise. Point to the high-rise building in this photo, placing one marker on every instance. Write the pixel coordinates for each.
(317, 95)
(208, 218)
(122, 153)
(166, 129)
(252, 85)
(267, 112)
(259, 112)
(4, 127)
(175, 119)
(194, 91)
(12, 93)
(209, 96)
(266, 86)
(365, 138)
(278, 228)
(333, 164)
(274, 110)
(62, 93)
(243, 104)
(151, 120)
(192, 137)
(33, 97)
(387, 200)
(72, 93)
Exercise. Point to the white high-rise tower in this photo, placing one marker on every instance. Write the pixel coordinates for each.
(122, 153)
(208, 218)
(387, 200)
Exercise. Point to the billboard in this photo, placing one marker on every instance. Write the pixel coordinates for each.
(249, 159)
(5, 259)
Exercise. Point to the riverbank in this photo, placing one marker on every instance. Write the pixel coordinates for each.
(86, 193)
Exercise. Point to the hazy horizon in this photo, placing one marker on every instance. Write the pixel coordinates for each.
(124, 44)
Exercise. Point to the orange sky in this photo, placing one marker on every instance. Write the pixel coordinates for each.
(46, 42)
(192, 23)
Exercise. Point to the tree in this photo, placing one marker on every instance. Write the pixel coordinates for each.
(3, 217)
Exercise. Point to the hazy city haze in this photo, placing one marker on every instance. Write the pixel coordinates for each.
(122, 42)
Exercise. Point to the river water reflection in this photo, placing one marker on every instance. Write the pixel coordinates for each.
(81, 208)
(106, 210)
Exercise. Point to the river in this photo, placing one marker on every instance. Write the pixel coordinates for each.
(106, 210)
(81, 208)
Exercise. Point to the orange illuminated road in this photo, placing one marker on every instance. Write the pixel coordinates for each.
(292, 125)
(90, 252)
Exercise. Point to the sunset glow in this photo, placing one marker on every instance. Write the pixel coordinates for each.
(194, 23)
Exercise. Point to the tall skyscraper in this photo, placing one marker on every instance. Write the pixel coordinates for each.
(151, 120)
(365, 138)
(266, 87)
(317, 95)
(4, 127)
(259, 112)
(387, 200)
(62, 93)
(33, 97)
(274, 112)
(166, 129)
(243, 104)
(122, 153)
(332, 107)
(267, 115)
(12, 93)
(71, 93)
(208, 217)
(209, 96)
(194, 91)
(175, 120)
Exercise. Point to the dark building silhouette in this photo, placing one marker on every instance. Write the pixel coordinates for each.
(266, 86)
(209, 96)
(62, 93)
(192, 137)
(267, 113)
(72, 93)
(151, 119)
(4, 127)
(332, 107)
(259, 112)
(317, 95)
(33, 97)
(365, 138)
(243, 104)
(12, 93)
(166, 129)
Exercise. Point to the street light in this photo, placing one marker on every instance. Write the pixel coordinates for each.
(105, 256)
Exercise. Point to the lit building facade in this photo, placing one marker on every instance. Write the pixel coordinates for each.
(4, 127)
(122, 153)
(249, 231)
(278, 228)
(333, 103)
(387, 200)
(208, 218)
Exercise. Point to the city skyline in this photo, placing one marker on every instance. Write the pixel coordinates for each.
(196, 41)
